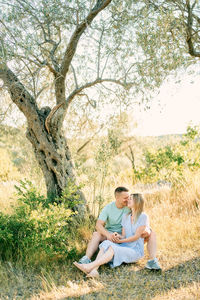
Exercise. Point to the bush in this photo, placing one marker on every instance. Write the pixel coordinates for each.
(36, 227)
(172, 162)
(14, 231)
(28, 194)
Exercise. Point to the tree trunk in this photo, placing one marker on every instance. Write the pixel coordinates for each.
(53, 156)
(44, 131)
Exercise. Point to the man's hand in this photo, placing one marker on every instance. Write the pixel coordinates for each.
(113, 237)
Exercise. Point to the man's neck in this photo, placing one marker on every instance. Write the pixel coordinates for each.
(118, 205)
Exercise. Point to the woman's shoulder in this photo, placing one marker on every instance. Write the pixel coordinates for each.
(143, 215)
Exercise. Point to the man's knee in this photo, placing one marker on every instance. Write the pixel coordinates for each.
(146, 233)
(98, 236)
(151, 237)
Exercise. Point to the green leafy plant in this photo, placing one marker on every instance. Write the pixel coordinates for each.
(37, 228)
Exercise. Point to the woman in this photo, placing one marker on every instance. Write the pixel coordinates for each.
(129, 247)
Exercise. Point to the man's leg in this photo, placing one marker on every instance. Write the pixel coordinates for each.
(92, 247)
(152, 245)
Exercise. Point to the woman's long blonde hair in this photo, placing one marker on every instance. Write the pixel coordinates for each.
(139, 205)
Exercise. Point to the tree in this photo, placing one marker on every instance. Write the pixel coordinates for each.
(44, 48)
(85, 51)
(169, 37)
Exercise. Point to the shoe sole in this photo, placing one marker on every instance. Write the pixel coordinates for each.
(152, 269)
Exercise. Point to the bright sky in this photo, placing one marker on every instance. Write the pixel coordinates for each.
(176, 106)
(179, 106)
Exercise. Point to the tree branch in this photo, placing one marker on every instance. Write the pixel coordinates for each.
(89, 140)
(37, 61)
(18, 93)
(92, 83)
(105, 65)
(71, 47)
(192, 51)
(99, 54)
(75, 78)
(46, 35)
(93, 104)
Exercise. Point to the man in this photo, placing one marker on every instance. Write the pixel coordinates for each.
(109, 224)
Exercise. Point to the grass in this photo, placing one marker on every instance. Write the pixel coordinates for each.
(176, 220)
(7, 198)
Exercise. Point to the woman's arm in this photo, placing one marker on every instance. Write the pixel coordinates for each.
(132, 238)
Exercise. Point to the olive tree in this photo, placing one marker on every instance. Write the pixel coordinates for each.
(52, 53)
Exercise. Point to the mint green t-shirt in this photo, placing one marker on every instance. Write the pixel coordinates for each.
(113, 217)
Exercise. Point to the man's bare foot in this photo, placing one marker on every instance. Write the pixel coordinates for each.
(93, 274)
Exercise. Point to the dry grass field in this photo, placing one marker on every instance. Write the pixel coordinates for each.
(175, 218)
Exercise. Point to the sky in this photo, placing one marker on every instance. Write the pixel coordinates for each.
(176, 106)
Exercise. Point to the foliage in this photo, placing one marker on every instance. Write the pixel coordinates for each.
(70, 197)
(168, 36)
(36, 228)
(18, 156)
(172, 161)
(107, 149)
(29, 195)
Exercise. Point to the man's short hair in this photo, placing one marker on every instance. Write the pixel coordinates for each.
(120, 189)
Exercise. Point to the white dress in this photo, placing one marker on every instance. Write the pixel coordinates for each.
(127, 252)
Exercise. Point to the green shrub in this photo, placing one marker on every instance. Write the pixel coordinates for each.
(171, 162)
(28, 194)
(36, 228)
(15, 233)
(70, 196)
(51, 226)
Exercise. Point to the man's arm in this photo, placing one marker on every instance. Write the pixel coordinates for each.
(101, 229)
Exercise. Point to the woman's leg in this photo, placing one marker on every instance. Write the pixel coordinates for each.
(102, 258)
(94, 272)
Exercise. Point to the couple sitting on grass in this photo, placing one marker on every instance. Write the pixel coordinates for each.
(122, 229)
